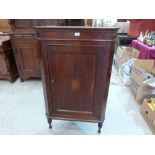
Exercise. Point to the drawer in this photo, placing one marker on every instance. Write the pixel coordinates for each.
(77, 34)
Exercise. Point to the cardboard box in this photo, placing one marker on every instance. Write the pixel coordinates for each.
(143, 91)
(140, 68)
(134, 87)
(147, 90)
(147, 112)
(123, 54)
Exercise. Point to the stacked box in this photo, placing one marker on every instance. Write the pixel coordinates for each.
(139, 70)
(147, 112)
(123, 54)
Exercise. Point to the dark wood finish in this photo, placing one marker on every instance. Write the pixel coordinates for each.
(8, 69)
(26, 47)
(69, 80)
(75, 22)
(76, 68)
(99, 127)
(26, 25)
(26, 51)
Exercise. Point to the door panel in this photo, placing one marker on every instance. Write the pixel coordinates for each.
(27, 57)
(73, 70)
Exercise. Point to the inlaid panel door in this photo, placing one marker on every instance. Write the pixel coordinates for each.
(76, 79)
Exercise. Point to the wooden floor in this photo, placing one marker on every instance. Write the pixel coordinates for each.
(22, 112)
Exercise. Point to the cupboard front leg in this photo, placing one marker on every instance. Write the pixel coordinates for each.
(99, 127)
(50, 123)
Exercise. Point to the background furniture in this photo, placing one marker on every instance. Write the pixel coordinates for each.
(5, 26)
(76, 67)
(146, 52)
(74, 22)
(26, 48)
(8, 69)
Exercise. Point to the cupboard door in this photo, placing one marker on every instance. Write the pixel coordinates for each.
(76, 78)
(26, 53)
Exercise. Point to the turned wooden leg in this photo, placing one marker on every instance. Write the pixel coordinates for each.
(50, 123)
(99, 127)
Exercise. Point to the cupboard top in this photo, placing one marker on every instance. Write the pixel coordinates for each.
(75, 33)
(78, 27)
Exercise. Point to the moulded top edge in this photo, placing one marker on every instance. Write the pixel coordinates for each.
(76, 27)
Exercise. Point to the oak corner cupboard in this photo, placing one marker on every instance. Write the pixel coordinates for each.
(76, 66)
